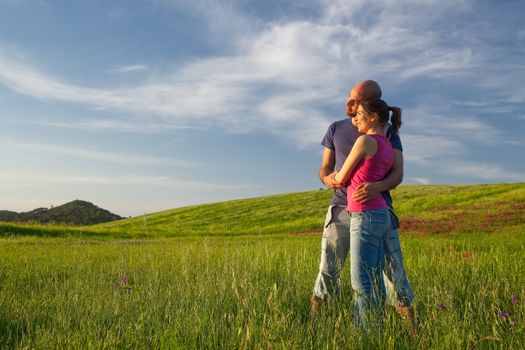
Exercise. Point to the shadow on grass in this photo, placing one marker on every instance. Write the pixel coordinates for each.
(9, 230)
(11, 332)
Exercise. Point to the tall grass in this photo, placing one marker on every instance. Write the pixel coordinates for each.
(248, 292)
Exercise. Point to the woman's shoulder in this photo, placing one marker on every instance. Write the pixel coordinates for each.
(367, 143)
(368, 139)
(378, 138)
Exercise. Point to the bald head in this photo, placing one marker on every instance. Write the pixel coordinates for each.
(368, 90)
(365, 90)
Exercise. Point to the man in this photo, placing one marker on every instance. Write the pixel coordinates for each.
(337, 143)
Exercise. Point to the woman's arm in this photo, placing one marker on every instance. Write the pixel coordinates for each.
(359, 150)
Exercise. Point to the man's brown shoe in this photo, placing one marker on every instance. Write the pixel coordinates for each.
(315, 307)
(408, 314)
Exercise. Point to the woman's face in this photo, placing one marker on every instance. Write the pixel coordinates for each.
(363, 120)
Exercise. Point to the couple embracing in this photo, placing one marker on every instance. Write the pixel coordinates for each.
(362, 160)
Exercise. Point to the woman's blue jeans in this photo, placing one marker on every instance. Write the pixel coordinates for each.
(368, 233)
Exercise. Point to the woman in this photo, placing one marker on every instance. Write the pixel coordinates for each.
(369, 161)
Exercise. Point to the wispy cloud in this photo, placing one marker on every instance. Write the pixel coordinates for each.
(224, 20)
(447, 156)
(452, 124)
(482, 171)
(280, 77)
(286, 70)
(17, 179)
(25, 79)
(24, 2)
(115, 125)
(421, 180)
(105, 156)
(424, 149)
(117, 13)
(130, 69)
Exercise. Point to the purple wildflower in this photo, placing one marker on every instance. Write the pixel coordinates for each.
(442, 306)
(124, 279)
(515, 299)
(117, 285)
(504, 314)
(513, 321)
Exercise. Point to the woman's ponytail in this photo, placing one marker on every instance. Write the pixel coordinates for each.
(395, 119)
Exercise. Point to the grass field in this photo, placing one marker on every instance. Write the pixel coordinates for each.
(239, 275)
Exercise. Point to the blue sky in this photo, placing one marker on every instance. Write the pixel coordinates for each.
(141, 106)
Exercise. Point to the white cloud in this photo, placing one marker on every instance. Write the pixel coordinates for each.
(222, 91)
(483, 171)
(26, 80)
(281, 75)
(117, 13)
(19, 179)
(116, 125)
(24, 2)
(105, 156)
(451, 124)
(520, 34)
(445, 153)
(224, 21)
(424, 149)
(129, 69)
(421, 180)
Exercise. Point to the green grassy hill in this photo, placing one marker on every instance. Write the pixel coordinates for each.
(423, 209)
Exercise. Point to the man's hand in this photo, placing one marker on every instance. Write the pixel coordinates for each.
(331, 182)
(366, 191)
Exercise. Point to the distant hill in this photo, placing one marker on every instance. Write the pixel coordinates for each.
(76, 212)
(6, 215)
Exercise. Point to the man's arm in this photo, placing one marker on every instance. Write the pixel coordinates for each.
(370, 190)
(327, 167)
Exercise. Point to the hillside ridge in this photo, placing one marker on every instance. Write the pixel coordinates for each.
(422, 209)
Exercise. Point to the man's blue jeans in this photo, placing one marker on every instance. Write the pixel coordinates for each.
(334, 251)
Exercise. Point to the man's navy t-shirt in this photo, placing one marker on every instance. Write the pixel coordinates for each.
(340, 137)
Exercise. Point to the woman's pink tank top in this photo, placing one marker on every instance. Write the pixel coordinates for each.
(371, 169)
